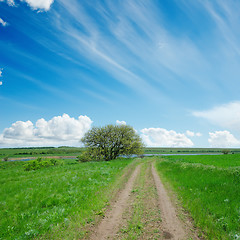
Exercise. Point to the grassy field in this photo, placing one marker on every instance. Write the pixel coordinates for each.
(187, 150)
(75, 151)
(55, 202)
(223, 161)
(39, 152)
(209, 188)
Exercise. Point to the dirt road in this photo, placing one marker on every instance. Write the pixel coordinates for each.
(143, 210)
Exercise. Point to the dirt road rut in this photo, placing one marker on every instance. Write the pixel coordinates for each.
(113, 218)
(143, 210)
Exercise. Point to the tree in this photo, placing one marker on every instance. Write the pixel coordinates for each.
(109, 142)
(225, 151)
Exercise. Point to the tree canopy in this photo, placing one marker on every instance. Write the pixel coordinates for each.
(109, 142)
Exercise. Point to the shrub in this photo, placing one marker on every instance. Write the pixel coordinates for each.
(84, 157)
(225, 151)
(40, 163)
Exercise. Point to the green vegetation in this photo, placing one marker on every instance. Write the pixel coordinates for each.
(225, 151)
(41, 163)
(109, 142)
(55, 202)
(39, 152)
(8, 153)
(223, 161)
(144, 215)
(188, 150)
(209, 188)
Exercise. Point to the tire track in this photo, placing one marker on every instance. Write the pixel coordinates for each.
(109, 225)
(172, 227)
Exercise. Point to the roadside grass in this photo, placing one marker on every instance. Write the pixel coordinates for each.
(50, 202)
(143, 213)
(210, 194)
(223, 161)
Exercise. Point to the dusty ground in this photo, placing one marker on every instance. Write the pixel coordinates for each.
(109, 226)
(143, 210)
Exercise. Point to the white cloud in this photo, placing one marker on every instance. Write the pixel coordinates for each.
(159, 137)
(9, 2)
(39, 4)
(193, 134)
(60, 130)
(190, 133)
(121, 122)
(4, 24)
(1, 76)
(222, 139)
(227, 115)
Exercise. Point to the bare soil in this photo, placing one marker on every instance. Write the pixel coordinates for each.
(109, 226)
(143, 210)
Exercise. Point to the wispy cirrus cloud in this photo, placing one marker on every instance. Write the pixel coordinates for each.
(226, 15)
(1, 76)
(3, 23)
(130, 40)
(9, 2)
(226, 115)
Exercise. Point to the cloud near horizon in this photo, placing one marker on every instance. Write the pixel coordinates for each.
(160, 137)
(193, 134)
(66, 130)
(60, 130)
(222, 139)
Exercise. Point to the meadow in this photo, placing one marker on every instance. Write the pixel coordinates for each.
(39, 152)
(56, 202)
(157, 150)
(63, 199)
(209, 188)
(75, 151)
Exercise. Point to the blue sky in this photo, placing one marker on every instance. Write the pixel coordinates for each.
(170, 69)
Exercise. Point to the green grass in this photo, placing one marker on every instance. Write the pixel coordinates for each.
(223, 161)
(55, 202)
(156, 150)
(37, 152)
(143, 215)
(75, 151)
(210, 193)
